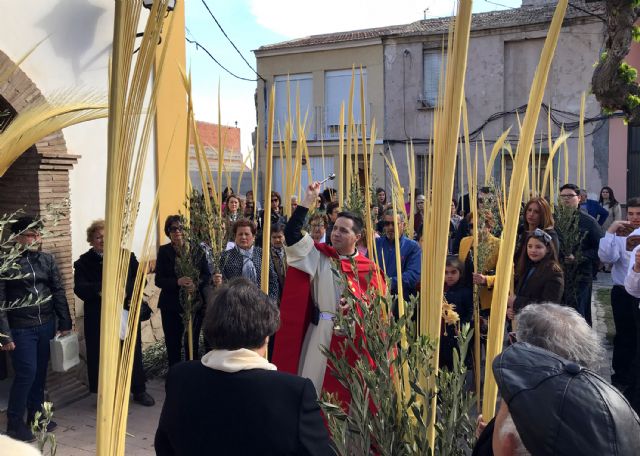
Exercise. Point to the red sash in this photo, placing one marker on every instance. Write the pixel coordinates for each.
(295, 314)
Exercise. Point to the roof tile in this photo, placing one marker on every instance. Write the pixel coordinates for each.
(514, 17)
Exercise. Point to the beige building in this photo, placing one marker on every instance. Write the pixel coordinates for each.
(315, 74)
(403, 65)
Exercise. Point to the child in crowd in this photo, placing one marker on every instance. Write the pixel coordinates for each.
(538, 275)
(461, 296)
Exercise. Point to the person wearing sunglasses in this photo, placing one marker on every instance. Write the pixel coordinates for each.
(410, 256)
(33, 309)
(170, 285)
(584, 255)
(538, 274)
(277, 216)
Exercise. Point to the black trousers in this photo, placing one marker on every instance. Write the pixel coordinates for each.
(92, 342)
(175, 336)
(624, 342)
(633, 392)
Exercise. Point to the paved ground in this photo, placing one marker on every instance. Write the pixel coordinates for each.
(602, 317)
(76, 422)
(76, 433)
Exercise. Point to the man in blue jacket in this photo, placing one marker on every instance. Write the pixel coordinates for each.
(410, 256)
(593, 208)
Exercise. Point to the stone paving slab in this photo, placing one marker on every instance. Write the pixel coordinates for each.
(598, 316)
(76, 432)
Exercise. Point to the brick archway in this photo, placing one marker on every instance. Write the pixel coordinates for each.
(40, 176)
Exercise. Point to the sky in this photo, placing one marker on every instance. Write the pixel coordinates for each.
(253, 23)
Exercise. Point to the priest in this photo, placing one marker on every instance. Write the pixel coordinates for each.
(313, 294)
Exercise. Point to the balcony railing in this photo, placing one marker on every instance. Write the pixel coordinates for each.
(320, 127)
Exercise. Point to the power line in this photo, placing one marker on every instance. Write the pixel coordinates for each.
(500, 4)
(568, 126)
(230, 41)
(603, 19)
(200, 46)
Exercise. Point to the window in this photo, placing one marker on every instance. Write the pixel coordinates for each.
(300, 93)
(337, 85)
(319, 171)
(432, 67)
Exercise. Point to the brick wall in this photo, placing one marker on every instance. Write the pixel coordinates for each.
(40, 176)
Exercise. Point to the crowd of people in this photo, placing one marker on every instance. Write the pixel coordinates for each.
(552, 264)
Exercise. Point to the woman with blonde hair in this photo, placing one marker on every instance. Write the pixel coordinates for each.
(87, 285)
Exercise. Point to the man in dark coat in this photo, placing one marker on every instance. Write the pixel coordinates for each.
(591, 234)
(233, 401)
(25, 330)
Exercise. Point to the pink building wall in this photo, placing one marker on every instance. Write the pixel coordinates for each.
(618, 142)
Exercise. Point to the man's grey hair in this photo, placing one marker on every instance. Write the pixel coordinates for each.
(390, 213)
(560, 330)
(509, 428)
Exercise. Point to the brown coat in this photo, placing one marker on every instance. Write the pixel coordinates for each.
(546, 284)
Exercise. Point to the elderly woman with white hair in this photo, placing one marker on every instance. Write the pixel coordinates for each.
(558, 329)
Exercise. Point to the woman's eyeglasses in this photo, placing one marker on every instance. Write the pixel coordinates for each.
(175, 229)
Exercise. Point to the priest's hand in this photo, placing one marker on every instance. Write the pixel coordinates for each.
(311, 195)
(636, 267)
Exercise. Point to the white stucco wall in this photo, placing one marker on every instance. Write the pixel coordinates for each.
(74, 55)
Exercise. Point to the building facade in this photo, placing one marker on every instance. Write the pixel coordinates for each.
(504, 51)
(236, 174)
(313, 78)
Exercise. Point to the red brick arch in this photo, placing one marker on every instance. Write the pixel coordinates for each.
(41, 175)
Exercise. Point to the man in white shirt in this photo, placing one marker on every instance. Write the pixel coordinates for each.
(632, 286)
(613, 249)
(632, 281)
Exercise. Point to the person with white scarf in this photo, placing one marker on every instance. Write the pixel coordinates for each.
(233, 401)
(245, 259)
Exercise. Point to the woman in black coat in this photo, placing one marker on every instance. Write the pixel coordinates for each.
(233, 401)
(539, 277)
(166, 278)
(245, 260)
(87, 285)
